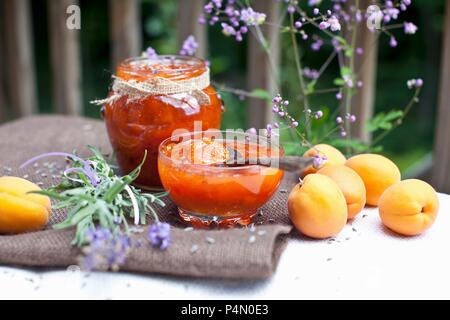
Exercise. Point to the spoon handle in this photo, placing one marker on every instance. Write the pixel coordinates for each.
(286, 163)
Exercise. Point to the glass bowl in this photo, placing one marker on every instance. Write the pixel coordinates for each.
(208, 192)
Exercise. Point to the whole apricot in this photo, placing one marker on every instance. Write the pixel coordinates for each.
(317, 207)
(377, 173)
(409, 207)
(332, 155)
(21, 211)
(351, 186)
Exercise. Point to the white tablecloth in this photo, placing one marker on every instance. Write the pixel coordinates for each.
(365, 261)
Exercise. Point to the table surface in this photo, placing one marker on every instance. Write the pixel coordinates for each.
(365, 261)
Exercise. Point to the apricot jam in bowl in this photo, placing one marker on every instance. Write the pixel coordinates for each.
(194, 169)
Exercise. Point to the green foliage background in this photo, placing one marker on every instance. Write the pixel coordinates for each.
(416, 56)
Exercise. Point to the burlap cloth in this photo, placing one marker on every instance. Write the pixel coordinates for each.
(236, 253)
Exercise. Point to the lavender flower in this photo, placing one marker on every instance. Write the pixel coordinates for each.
(393, 42)
(318, 114)
(319, 161)
(105, 250)
(290, 9)
(251, 17)
(159, 235)
(87, 168)
(409, 28)
(334, 23)
(414, 83)
(339, 120)
(317, 44)
(316, 11)
(310, 73)
(189, 46)
(150, 53)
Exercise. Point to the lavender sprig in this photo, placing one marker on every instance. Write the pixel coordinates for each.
(107, 203)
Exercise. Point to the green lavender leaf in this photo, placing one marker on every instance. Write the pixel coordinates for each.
(107, 204)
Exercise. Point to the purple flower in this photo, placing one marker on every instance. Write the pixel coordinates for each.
(150, 53)
(324, 25)
(217, 3)
(310, 73)
(189, 46)
(414, 83)
(202, 20)
(159, 235)
(252, 131)
(419, 82)
(105, 250)
(334, 23)
(290, 9)
(393, 42)
(343, 133)
(339, 95)
(339, 120)
(251, 17)
(319, 161)
(208, 8)
(359, 51)
(87, 168)
(298, 24)
(317, 44)
(409, 28)
(294, 124)
(318, 114)
(352, 118)
(316, 11)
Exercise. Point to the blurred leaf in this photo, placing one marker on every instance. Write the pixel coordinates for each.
(260, 93)
(310, 87)
(384, 121)
(339, 81)
(345, 71)
(357, 145)
(154, 27)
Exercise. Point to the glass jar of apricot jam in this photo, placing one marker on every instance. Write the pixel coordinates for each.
(149, 99)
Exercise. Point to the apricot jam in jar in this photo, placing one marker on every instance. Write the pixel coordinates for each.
(149, 99)
(207, 191)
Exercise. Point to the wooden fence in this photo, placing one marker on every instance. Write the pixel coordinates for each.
(18, 78)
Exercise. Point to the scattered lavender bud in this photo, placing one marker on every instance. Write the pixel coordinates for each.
(159, 235)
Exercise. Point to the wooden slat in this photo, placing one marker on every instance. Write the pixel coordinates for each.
(365, 67)
(21, 84)
(65, 59)
(441, 167)
(259, 72)
(125, 29)
(2, 73)
(187, 24)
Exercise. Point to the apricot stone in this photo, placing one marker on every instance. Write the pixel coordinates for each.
(409, 207)
(333, 155)
(351, 185)
(377, 173)
(317, 207)
(21, 211)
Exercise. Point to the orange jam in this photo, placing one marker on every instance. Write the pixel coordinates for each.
(206, 190)
(136, 125)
